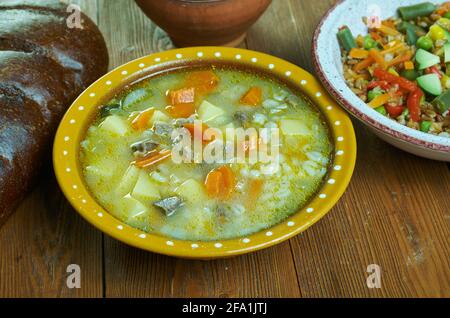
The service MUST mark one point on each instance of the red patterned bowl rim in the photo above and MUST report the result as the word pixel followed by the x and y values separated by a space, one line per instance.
pixel 354 110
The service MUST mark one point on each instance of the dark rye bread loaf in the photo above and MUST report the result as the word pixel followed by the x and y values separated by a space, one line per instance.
pixel 44 66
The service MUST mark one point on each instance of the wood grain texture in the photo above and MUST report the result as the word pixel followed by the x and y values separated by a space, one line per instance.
pixel 394 214
pixel 44 236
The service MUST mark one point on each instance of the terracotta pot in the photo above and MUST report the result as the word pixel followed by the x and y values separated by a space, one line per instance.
pixel 204 22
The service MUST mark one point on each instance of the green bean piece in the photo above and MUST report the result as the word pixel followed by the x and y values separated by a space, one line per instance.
pixel 418 10
pixel 411 37
pixel 109 109
pixel 442 102
pixel 346 38
pixel 381 110
pixel 425 126
pixel 409 74
pixel 447 15
pixel 403 26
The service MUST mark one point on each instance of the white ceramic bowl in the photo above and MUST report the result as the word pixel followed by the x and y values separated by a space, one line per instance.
pixel 328 66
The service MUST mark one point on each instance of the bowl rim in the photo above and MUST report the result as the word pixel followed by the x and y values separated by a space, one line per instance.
pixel 391 128
pixel 71 131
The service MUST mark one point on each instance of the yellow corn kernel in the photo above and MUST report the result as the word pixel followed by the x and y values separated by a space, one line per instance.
pixel 437 33
pixel 409 65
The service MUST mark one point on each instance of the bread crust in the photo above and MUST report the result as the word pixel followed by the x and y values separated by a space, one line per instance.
pixel 44 66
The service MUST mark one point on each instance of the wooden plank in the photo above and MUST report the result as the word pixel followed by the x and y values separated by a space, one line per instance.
pixel 134 273
pixel 43 237
pixel 40 240
pixel 394 214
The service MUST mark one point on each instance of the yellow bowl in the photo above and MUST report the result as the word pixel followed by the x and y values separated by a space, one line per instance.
pixel 73 126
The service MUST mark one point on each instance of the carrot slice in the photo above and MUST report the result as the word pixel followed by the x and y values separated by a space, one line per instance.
pixel 363 64
pixel 181 110
pixel 197 130
pixel 228 181
pixel 356 53
pixel 140 122
pixel 213 182
pixel 254 191
pixel 220 183
pixel 400 59
pixel 252 97
pixel 378 58
pixel 152 158
pixel 375 36
pixel 203 81
pixel 182 96
pixel 388 30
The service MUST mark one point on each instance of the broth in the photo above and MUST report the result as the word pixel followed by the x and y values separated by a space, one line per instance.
pixel 126 162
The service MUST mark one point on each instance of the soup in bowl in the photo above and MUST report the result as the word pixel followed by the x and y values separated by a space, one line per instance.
pixel 199 156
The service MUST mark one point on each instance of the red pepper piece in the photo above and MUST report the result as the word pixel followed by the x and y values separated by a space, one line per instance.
pixel 394 79
pixel 394 110
pixel 382 84
pixel 413 104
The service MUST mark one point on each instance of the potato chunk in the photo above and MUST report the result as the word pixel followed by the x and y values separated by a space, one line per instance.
pixel 128 181
pixel 291 127
pixel 115 125
pixel 132 207
pixel 209 112
pixel 159 116
pixel 146 189
pixel 192 191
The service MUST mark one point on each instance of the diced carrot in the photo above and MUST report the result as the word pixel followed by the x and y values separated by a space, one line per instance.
pixel 197 130
pixel 409 65
pixel 379 100
pixel 220 183
pixel 182 96
pixel 400 59
pixel 252 97
pixel 360 40
pixel 181 110
pixel 203 81
pixel 393 49
pixel 213 183
pixel 356 53
pixel 363 64
pixel 140 122
pixel 378 58
pixel 152 158
pixel 389 23
pixel 375 36
pixel 387 30
pixel 228 181
pixel 254 191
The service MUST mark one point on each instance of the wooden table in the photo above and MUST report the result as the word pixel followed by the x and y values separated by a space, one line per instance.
pixel 395 212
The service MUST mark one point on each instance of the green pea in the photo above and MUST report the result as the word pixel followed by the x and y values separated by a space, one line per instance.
pixel 425 126
pixel 424 42
pixel 369 43
pixel 381 110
